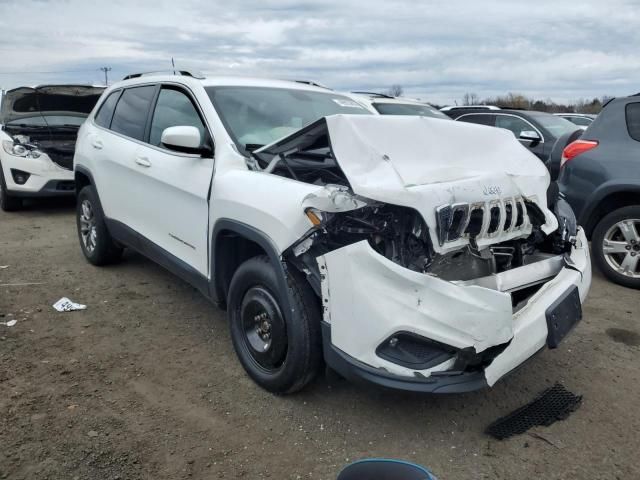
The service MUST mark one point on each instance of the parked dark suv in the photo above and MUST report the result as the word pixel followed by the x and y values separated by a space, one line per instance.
pixel 538 131
pixel 600 178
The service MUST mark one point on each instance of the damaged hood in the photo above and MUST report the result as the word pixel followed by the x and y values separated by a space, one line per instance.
pixel 26 102
pixel 427 163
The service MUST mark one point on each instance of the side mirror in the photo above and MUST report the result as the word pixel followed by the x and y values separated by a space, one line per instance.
pixel 530 135
pixel 553 162
pixel 183 139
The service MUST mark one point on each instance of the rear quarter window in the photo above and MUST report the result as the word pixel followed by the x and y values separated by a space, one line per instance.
pixel 130 117
pixel 633 120
pixel 479 118
pixel 105 113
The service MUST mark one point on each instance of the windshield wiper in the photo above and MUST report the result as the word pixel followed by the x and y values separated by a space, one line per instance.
pixel 252 147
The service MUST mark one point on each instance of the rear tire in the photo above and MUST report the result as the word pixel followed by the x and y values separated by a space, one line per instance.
pixel 616 246
pixel 280 354
pixel 7 202
pixel 95 241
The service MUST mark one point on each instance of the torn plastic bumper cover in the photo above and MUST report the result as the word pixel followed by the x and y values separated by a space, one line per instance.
pixel 373 305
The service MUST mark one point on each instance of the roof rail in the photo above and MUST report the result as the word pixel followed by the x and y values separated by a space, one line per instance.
pixel 313 84
pixel 374 94
pixel 184 73
pixel 469 107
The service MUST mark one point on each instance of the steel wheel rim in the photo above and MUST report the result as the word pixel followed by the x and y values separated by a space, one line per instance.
pixel 264 335
pixel 88 231
pixel 621 247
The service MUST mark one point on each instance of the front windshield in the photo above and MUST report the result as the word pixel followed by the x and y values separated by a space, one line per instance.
pixel 408 109
pixel 257 116
pixel 49 121
pixel 555 125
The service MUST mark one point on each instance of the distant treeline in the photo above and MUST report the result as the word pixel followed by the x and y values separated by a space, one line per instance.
pixel 515 100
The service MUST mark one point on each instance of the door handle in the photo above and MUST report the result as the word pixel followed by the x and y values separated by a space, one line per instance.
pixel 143 161
pixel 97 144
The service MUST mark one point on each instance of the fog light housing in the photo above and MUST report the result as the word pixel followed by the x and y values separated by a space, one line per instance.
pixel 19 176
pixel 413 351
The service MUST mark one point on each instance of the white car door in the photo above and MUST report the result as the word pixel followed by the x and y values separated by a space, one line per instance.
pixel 173 188
pixel 114 151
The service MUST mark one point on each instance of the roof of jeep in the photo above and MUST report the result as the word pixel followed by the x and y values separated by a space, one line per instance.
pixel 219 81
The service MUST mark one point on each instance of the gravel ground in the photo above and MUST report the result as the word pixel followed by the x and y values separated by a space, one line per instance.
pixel 145 384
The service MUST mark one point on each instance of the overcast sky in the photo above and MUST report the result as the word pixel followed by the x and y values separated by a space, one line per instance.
pixel 562 49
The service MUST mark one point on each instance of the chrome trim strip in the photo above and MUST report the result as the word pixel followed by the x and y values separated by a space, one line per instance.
pixel 446 236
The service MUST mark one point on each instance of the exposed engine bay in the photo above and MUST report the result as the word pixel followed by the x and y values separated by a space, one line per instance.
pixel 401 235
pixel 469 221
pixel 58 142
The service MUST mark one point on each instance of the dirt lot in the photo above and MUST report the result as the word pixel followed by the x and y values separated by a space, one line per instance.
pixel 145 384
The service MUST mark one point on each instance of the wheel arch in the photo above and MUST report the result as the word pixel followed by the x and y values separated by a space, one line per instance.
pixel 82 178
pixel 232 243
pixel 605 200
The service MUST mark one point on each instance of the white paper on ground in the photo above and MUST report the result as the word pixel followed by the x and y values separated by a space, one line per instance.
pixel 66 305
pixel 10 323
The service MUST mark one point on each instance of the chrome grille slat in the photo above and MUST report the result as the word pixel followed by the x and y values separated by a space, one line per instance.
pixel 450 230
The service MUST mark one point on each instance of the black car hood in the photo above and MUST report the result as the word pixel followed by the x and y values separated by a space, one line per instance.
pixel 26 102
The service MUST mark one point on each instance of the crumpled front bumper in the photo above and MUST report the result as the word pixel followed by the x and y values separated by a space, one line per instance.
pixel 368 298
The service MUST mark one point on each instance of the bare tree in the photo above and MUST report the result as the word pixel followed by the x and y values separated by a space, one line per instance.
pixel 395 90
pixel 470 99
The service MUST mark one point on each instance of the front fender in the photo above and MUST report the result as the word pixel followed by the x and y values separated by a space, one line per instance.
pixel 268 203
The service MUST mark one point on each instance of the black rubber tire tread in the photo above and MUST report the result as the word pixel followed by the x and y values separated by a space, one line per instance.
pixel 597 240
pixel 106 251
pixel 304 352
pixel 7 202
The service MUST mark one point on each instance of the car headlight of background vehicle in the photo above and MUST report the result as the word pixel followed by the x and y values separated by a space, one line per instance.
pixel 20 150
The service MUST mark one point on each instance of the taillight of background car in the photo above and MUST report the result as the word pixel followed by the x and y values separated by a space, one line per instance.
pixel 576 148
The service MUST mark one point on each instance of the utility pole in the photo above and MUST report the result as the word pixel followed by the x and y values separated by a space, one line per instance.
pixel 106 78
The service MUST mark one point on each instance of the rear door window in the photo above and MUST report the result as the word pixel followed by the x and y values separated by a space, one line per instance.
pixel 104 115
pixel 130 117
pixel 582 121
pixel 174 108
pixel 514 124
pixel 633 120
pixel 480 118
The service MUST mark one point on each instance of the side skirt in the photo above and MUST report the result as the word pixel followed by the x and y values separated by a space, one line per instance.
pixel 132 239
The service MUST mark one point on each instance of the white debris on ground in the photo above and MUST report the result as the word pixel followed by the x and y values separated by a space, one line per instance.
pixel 10 323
pixel 66 305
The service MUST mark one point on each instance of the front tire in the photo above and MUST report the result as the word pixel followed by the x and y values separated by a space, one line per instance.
pixel 616 246
pixel 95 241
pixel 280 353
pixel 7 202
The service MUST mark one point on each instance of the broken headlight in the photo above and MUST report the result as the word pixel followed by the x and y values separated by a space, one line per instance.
pixel 317 217
pixel 21 149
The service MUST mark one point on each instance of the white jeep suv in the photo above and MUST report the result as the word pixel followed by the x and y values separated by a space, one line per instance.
pixel 405 251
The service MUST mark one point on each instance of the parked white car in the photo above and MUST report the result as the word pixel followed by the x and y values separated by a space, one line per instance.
pixel 38 136
pixel 382 104
pixel 583 120
pixel 406 251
